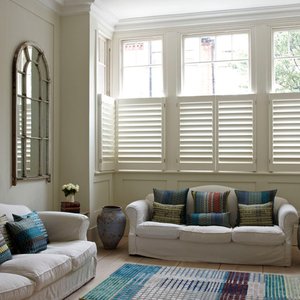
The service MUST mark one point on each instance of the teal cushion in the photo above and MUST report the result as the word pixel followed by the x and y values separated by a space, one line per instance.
pixel 246 197
pixel 7 237
pixel 207 219
pixel 5 253
pixel 36 219
pixel 28 237
pixel 210 202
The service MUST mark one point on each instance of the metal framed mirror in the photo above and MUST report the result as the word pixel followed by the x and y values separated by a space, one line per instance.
pixel 30 114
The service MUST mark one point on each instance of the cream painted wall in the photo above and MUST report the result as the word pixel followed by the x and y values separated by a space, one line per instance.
pixel 21 21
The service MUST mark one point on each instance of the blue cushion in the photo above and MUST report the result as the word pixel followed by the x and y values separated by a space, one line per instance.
pixel 5 253
pixel 245 197
pixel 28 237
pixel 36 219
pixel 207 219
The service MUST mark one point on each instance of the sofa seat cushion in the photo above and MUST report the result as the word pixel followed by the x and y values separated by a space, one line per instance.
pixel 258 235
pixel 43 269
pixel 157 230
pixel 78 251
pixel 206 234
pixel 13 286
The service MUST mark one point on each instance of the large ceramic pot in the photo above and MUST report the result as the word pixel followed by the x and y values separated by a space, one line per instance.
pixel 111 225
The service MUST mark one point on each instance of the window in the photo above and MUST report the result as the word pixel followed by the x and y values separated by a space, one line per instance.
pixel 103 65
pixel 286 61
pixel 217 133
pixel 142 72
pixel 216 64
pixel 31 96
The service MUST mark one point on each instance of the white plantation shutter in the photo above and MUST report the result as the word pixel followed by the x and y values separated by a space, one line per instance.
pixel 195 134
pixel 285 133
pixel 106 119
pixel 140 133
pixel 235 135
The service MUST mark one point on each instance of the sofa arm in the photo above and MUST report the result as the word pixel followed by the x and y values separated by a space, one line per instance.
pixel 137 213
pixel 287 219
pixel 65 226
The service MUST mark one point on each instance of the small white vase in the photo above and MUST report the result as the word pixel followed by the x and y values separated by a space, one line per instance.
pixel 70 198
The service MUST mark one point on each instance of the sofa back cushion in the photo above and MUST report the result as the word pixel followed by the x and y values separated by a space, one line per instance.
pixel 9 209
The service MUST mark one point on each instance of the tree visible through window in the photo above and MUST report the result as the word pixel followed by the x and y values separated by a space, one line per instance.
pixel 286 61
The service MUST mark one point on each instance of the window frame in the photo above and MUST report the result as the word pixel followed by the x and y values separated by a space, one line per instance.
pixel 121 67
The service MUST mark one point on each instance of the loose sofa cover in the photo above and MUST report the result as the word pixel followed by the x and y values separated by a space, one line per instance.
pixel 68 262
pixel 260 245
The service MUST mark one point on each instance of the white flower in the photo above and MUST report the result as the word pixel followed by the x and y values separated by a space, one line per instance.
pixel 70 188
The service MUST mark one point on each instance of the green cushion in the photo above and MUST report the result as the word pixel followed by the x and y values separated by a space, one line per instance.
pixel 27 235
pixel 256 214
pixel 166 213
pixel 207 219
pixel 208 202
pixel 5 253
pixel 7 237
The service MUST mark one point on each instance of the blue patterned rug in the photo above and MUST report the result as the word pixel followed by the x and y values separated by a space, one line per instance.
pixel 141 282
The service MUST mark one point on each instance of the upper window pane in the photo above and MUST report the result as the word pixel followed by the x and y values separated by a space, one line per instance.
pixel 216 64
pixel 142 68
pixel 286 61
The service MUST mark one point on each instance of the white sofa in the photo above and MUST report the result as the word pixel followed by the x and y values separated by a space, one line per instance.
pixel 68 262
pixel 261 245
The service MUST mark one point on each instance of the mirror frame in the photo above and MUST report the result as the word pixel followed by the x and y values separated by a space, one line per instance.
pixel 43 173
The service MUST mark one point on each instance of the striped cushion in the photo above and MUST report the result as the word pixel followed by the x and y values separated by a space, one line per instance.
pixel 208 202
pixel 36 219
pixel 170 197
pixel 5 253
pixel 256 214
pixel 207 219
pixel 27 236
pixel 7 237
pixel 245 197
pixel 166 213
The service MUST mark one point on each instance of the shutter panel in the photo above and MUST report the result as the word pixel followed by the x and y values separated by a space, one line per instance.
pixel 236 135
pixel 285 134
pixel 140 133
pixel 196 135
pixel 107 133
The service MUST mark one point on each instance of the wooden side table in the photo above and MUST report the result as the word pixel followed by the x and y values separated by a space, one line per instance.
pixel 73 207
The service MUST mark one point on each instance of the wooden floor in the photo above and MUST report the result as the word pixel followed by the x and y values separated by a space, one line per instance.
pixel 111 260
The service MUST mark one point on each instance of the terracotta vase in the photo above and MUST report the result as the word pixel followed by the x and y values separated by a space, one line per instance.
pixel 111 225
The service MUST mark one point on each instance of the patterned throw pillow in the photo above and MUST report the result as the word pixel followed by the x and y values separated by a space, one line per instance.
pixel 36 219
pixel 256 214
pixel 245 197
pixel 7 237
pixel 170 197
pixel 166 213
pixel 27 235
pixel 208 202
pixel 5 253
pixel 207 219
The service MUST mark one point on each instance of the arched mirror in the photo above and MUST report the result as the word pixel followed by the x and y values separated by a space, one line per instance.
pixel 30 114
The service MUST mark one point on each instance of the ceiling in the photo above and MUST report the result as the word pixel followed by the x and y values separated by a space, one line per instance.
pixel 126 9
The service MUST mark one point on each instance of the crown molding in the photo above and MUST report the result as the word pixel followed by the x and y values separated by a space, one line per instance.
pixel 209 17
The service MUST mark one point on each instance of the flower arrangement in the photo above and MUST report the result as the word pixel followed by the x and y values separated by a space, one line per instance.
pixel 70 188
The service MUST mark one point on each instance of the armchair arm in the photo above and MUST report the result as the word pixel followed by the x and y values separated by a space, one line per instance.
pixel 137 212
pixel 287 219
pixel 64 226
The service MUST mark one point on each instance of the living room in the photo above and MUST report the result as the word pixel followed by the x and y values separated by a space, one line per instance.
pixel 71 34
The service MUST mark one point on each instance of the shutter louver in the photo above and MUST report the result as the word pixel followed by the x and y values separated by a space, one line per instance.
pixel 107 133
pixel 196 135
pixel 236 135
pixel 140 134
pixel 285 134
